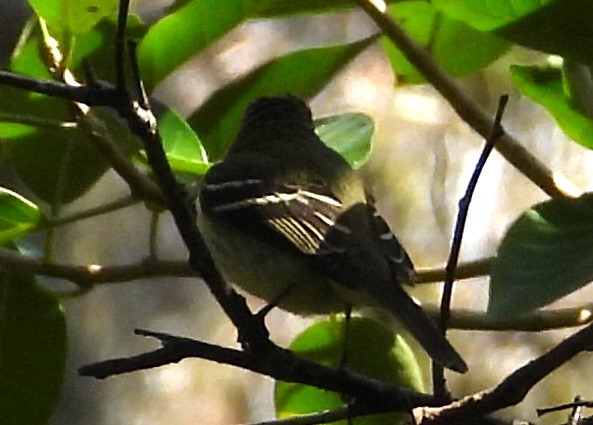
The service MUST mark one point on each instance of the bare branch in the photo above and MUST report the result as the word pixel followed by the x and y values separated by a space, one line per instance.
pixel 140 185
pixel 467 108
pixel 276 362
pixel 465 270
pixel 438 375
pixel 542 320
pixel 574 406
pixel 511 390
pixel 376 396
pixel 105 208
pixel 88 94
pixel 92 274
pixel 86 276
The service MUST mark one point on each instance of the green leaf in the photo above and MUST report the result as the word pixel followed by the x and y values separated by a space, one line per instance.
pixel 578 85
pixel 457 47
pixel 202 22
pixel 488 15
pixel 348 134
pixel 218 120
pixel 57 164
pixel 27 61
pixel 373 351
pixel 562 27
pixel 546 254
pixel 182 146
pixel 73 16
pixel 17 215
pixel 277 8
pixel 97 46
pixel 181 35
pixel 545 86
pixel 32 351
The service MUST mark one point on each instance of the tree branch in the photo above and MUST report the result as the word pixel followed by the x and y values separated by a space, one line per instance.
pixel 538 321
pixel 140 185
pixel 376 396
pixel 275 362
pixel 464 270
pixel 511 390
pixel 108 207
pixel 93 274
pixel 438 375
pixel 91 95
pixel 88 275
pixel 467 108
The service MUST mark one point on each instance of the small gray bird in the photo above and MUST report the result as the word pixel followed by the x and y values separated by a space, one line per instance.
pixel 289 221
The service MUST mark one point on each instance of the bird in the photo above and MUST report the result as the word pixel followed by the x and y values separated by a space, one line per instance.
pixel 288 220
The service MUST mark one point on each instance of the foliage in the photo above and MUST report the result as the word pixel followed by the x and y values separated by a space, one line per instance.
pixel 387 357
pixel 33 350
pixel 546 253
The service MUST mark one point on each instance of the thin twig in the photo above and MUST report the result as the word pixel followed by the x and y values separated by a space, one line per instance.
pixel 378 397
pixel 106 208
pixel 93 274
pixel 439 383
pixel 155 217
pixel 513 389
pixel 37 122
pixel 120 46
pixel 464 204
pixel 87 276
pixel 466 107
pixel 465 270
pixel 140 89
pixel 572 405
pixel 140 184
pixel 538 321
pixel 575 417
pixel 276 362
pixel 91 95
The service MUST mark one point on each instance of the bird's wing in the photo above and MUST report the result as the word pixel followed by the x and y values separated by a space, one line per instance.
pixel 400 263
pixel 301 215
pixel 312 219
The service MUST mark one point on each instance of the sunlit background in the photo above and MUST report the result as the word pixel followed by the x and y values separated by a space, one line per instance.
pixel 422 158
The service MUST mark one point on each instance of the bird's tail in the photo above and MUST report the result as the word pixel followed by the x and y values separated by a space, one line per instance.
pixel 422 328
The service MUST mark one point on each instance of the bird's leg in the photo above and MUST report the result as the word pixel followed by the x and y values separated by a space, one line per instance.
pixel 347 316
pixel 263 312
pixel 344 358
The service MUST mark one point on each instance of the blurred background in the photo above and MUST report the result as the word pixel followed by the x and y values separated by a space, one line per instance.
pixel 421 161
